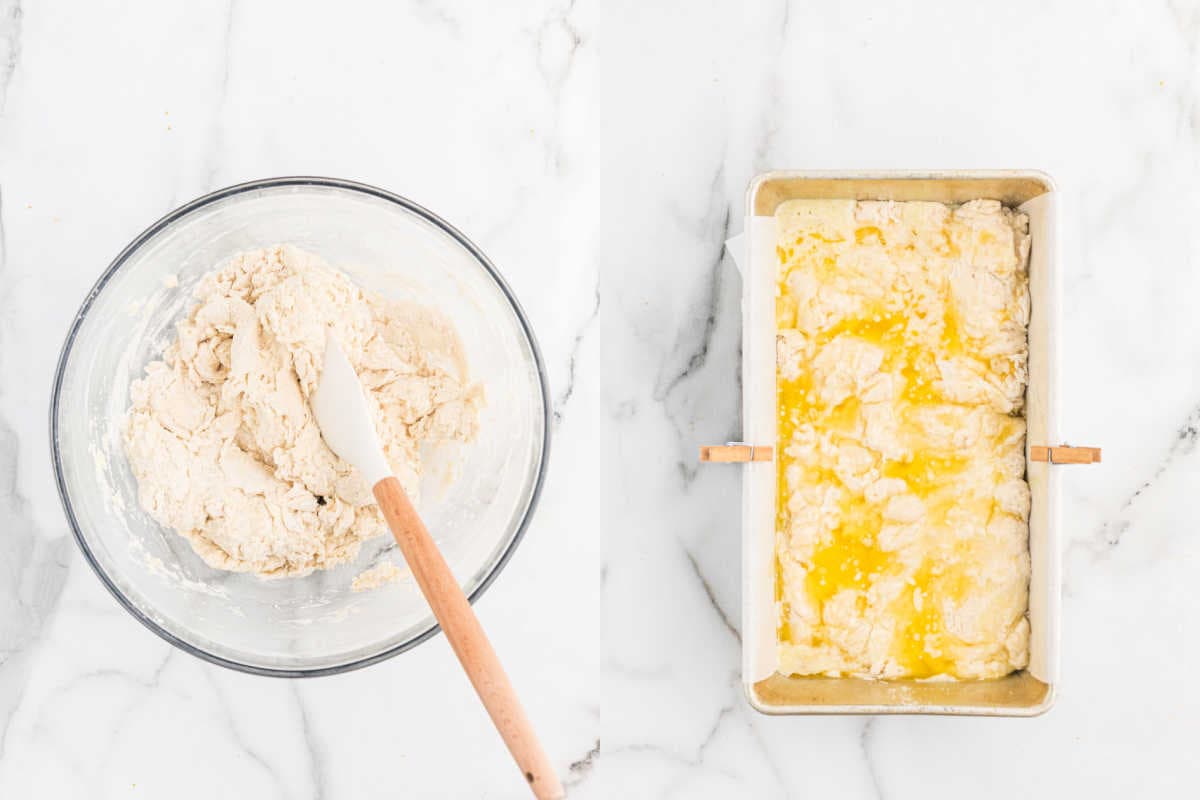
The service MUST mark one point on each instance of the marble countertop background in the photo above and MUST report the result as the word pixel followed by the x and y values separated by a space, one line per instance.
pixel 599 153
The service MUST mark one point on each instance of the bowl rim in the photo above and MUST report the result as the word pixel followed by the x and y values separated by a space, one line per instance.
pixel 276 183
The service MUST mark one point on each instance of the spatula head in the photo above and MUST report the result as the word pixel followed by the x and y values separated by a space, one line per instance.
pixel 345 420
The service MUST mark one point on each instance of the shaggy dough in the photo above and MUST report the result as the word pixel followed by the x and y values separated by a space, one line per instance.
pixel 220 435
pixel 902 536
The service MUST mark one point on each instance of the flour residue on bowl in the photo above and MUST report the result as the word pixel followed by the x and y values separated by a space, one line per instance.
pixel 382 574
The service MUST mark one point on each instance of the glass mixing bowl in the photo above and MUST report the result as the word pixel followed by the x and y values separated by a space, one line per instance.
pixel 477 500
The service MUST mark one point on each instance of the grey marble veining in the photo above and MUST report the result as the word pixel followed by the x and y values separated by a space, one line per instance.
pixel 599 154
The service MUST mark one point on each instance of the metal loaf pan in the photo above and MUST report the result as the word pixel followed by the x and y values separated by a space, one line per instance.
pixel 1025 693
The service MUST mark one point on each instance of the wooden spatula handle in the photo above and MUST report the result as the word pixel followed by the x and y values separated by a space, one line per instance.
pixel 466 636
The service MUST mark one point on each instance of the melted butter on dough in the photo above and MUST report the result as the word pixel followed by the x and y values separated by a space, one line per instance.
pixel 902 535
pixel 220 435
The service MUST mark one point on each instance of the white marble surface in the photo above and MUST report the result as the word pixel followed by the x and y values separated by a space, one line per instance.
pixel 113 114
pixel 599 153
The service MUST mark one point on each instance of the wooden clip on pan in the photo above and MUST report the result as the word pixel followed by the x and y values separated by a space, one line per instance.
pixel 736 453
pixel 1064 454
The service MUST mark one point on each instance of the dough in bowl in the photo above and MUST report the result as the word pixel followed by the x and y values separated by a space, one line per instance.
pixel 220 435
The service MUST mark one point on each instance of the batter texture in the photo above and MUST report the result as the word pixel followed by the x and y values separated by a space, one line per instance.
pixel 220 435
pixel 902 529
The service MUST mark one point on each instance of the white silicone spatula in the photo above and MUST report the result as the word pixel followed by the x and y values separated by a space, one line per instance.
pixel 345 421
